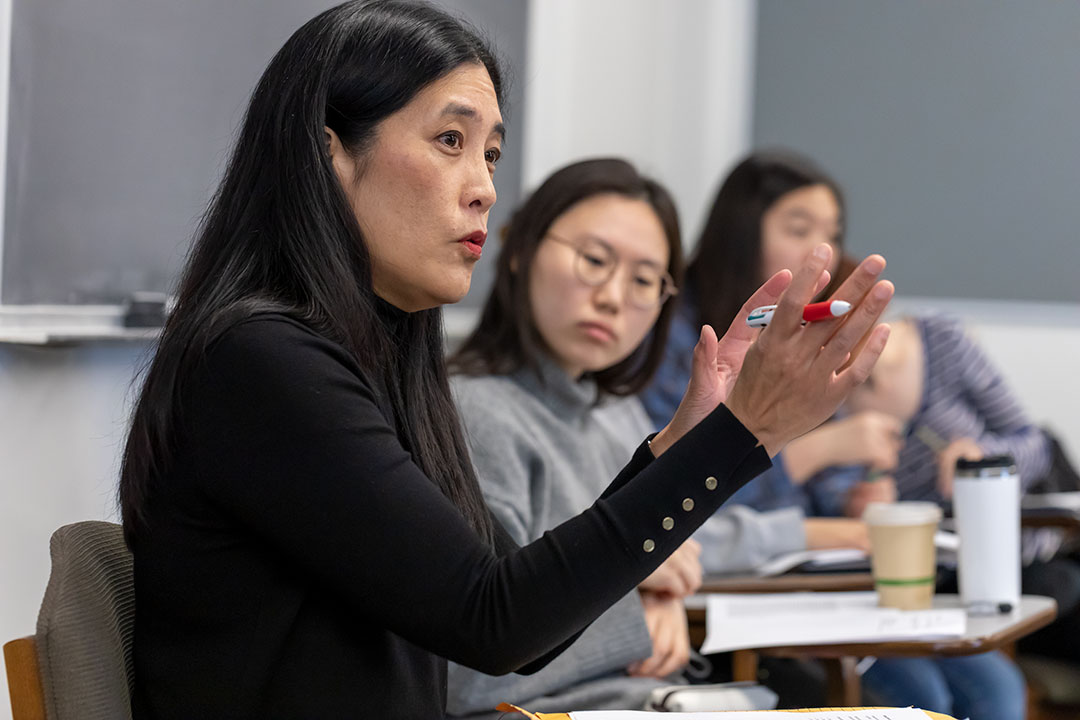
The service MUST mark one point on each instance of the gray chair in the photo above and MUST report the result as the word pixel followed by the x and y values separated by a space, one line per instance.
pixel 85 626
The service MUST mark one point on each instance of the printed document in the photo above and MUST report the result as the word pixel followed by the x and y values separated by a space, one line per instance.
pixel 738 621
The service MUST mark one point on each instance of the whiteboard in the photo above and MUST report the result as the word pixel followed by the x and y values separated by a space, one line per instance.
pixel 121 116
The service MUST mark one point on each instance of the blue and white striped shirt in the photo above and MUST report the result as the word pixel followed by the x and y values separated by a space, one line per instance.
pixel 964 396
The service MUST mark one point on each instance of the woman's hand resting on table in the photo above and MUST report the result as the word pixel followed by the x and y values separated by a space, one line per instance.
pixel 824 533
pixel 665 616
pixel 792 377
pixel 678 576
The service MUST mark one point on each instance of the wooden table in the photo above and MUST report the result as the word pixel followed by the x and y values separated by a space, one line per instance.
pixel 1064 518
pixel 791 582
pixel 984 633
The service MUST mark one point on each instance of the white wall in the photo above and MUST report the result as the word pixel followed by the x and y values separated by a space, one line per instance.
pixel 5 81
pixel 62 417
pixel 665 85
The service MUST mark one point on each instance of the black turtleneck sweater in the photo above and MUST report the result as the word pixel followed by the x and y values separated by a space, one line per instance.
pixel 299 564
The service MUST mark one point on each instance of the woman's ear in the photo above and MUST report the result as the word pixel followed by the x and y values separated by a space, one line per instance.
pixel 344 166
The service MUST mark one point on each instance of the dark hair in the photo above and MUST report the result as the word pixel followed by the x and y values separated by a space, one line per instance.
pixel 506 338
pixel 726 267
pixel 280 236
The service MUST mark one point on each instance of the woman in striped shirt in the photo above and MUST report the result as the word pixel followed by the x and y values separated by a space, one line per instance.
pixel 954 404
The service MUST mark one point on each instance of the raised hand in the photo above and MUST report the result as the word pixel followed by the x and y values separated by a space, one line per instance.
pixel 795 376
pixel 716 363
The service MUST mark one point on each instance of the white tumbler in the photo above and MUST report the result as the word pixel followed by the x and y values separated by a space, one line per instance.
pixel 986 506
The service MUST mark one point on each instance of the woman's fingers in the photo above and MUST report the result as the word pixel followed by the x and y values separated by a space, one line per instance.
pixel 654 624
pixel 823 282
pixel 859 369
pixel 704 369
pixel 680 575
pixel 845 349
pixel 768 294
pixel 854 290
pixel 678 641
pixel 788 316
pixel 687 569
pixel 690 565
pixel 695 404
pixel 669 640
pixel 861 279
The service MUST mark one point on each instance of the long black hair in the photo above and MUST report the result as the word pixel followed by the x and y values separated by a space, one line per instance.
pixel 280 236
pixel 506 337
pixel 726 267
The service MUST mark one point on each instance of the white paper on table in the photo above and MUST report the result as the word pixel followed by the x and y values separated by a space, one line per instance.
pixel 841 714
pixel 738 621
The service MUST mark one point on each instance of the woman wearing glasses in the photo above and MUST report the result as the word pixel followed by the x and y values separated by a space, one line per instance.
pixel 576 324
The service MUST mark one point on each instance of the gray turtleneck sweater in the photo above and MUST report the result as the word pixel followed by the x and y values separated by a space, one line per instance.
pixel 544 448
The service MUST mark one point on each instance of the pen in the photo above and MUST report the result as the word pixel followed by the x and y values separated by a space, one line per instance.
pixel 760 317
pixel 931 438
pixel 875 475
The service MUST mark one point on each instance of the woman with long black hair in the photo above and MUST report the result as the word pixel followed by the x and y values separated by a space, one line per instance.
pixel 308 534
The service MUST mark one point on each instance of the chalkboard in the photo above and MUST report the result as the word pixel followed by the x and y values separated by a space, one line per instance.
pixel 121 116
pixel 954 129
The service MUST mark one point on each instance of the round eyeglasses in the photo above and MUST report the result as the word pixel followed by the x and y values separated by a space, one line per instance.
pixel 595 263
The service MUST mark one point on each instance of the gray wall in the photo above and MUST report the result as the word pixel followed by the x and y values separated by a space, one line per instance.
pixel 953 127
pixel 121 118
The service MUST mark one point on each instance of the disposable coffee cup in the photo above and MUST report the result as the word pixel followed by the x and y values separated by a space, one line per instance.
pixel 902 554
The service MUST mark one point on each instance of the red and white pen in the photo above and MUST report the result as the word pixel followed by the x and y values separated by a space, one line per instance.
pixel 760 317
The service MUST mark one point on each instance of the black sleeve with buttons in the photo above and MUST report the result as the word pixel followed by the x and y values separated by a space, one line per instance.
pixel 298 563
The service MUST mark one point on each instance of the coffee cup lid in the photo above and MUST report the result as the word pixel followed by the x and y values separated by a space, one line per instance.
pixel 902 513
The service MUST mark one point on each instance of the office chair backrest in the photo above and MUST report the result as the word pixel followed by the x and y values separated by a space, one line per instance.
pixel 24 679
pixel 84 629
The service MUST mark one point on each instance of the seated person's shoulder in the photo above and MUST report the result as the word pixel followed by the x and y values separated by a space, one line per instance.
pixel 276 351
pixel 269 338
pixel 938 328
pixel 492 396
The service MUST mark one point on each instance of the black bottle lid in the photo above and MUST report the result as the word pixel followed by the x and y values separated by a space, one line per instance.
pixel 993 461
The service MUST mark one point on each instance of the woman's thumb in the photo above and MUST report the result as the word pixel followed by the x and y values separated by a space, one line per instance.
pixel 703 371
